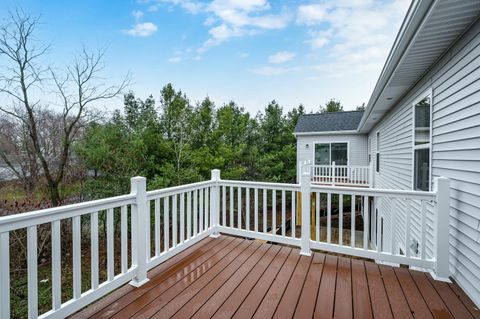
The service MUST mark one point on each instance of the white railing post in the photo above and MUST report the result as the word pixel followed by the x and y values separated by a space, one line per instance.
pixel 442 233
pixel 139 230
pixel 5 275
pixel 333 173
pixel 305 188
pixel 215 209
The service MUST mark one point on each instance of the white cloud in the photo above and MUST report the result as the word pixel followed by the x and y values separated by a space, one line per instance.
pixel 311 14
pixel 137 14
pixel 144 29
pixel 175 59
pixel 274 71
pixel 233 18
pixel 356 35
pixel 281 57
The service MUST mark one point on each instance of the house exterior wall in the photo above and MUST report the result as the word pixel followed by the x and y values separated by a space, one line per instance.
pixel 357 146
pixel 455 85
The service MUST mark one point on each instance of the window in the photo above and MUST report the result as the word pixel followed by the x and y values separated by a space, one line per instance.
pixel 322 154
pixel 378 153
pixel 339 153
pixel 327 153
pixel 421 143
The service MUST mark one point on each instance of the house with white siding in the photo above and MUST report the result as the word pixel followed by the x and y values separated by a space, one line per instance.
pixel 422 122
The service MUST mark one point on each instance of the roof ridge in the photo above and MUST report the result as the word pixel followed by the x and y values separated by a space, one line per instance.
pixel 338 112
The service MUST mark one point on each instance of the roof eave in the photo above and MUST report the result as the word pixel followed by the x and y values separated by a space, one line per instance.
pixel 345 132
pixel 415 15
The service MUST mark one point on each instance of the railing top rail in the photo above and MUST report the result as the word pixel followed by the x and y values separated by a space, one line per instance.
pixel 419 195
pixel 23 220
pixel 268 185
pixel 178 189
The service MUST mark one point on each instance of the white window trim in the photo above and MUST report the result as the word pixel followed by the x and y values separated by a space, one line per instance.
pixel 330 143
pixel 420 97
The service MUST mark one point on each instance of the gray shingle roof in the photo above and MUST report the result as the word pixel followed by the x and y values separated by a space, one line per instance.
pixel 326 122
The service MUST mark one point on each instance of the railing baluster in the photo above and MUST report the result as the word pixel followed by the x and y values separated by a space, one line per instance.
pixel 195 213
pixel 366 222
pixel 94 249
pixel 200 211
pixel 283 213
pixel 256 210
pixel 407 225
pixel 393 216
pixel 274 212
pixel 207 209
pixel 294 210
pixel 77 250
pixel 352 221
pixel 32 272
pixel 231 207
pixel 239 207
pixel 247 208
pixel 317 216
pixel 340 220
pixel 110 245
pixel 265 210
pixel 182 217
pixel 166 223
pixel 424 230
pixel 174 220
pixel 189 215
pixel 148 230
pixel 56 266
pixel 157 227
pixel 5 275
pixel 378 228
pixel 124 235
pixel 224 206
pixel 329 218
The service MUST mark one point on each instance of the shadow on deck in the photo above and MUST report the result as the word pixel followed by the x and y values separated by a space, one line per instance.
pixel 233 277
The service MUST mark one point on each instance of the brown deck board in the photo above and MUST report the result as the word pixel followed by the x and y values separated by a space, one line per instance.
pixel 326 293
pixel 434 302
pixel 227 280
pixel 414 297
pixel 343 290
pixel 168 303
pixel 380 305
pixel 395 294
pixel 164 292
pixel 362 307
pixel 454 304
pixel 465 300
pixel 251 303
pixel 234 301
pixel 221 294
pixel 286 307
pixel 270 302
pixel 306 305
pixel 233 277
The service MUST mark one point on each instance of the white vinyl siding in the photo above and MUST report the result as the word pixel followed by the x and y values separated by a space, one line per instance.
pixel 455 83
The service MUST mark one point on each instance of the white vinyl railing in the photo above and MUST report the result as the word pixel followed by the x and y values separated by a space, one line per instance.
pixel 350 175
pixel 163 222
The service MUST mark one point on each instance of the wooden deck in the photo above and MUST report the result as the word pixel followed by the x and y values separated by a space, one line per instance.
pixel 236 278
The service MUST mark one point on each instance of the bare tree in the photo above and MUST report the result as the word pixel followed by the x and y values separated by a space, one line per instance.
pixel 25 77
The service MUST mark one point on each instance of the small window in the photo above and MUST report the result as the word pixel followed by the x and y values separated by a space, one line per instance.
pixel 322 154
pixel 421 144
pixel 378 154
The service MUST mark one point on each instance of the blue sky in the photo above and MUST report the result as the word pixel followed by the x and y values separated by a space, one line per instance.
pixel 251 51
